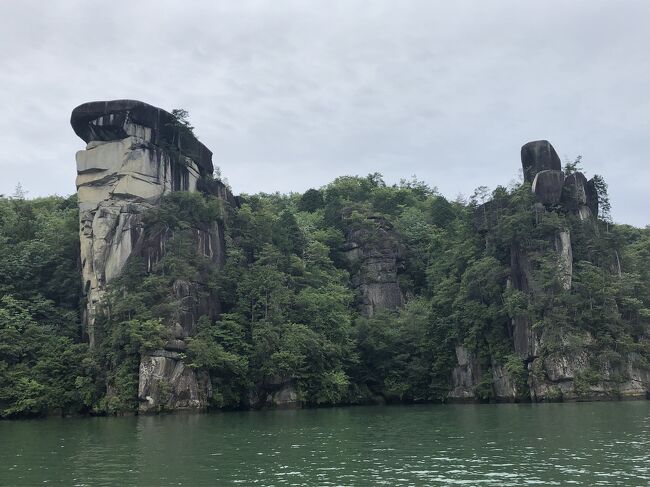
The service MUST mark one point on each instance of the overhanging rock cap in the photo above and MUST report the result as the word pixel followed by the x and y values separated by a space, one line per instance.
pixel 106 120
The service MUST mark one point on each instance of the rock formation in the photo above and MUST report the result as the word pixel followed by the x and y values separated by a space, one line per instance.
pixel 551 376
pixel 553 373
pixel 374 254
pixel 467 375
pixel 547 186
pixel 135 154
pixel 538 156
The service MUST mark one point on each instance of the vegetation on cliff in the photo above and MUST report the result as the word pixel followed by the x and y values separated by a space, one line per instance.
pixel 290 297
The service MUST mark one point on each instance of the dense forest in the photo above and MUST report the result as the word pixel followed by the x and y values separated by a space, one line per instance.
pixel 291 302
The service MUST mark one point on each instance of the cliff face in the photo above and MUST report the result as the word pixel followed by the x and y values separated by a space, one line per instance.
pixel 374 254
pixel 135 154
pixel 559 363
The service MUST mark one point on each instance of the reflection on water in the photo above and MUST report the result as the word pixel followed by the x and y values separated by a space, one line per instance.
pixel 544 444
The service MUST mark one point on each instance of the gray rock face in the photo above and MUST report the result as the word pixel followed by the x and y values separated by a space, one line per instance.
pixel 135 154
pixel 561 376
pixel 504 387
pixel 637 379
pixel 521 269
pixel 592 197
pixel 468 373
pixel 547 186
pixel 466 376
pixel 576 195
pixel 564 251
pixel 374 252
pixel 538 156
pixel 284 398
pixel 280 393
pixel 525 339
pixel 560 361
pixel 194 307
pixel 166 384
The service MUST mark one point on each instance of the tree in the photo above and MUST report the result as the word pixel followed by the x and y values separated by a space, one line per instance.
pixel 573 167
pixel 604 205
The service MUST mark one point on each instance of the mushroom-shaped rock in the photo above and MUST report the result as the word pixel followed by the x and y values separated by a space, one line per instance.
pixel 135 154
pixel 119 119
pixel 547 186
pixel 538 156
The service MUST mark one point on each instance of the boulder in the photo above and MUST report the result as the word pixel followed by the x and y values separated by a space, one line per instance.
pixel 166 384
pixel 579 196
pixel 538 156
pixel 575 193
pixel 547 186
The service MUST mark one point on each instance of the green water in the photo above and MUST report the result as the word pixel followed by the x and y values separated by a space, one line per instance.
pixel 544 444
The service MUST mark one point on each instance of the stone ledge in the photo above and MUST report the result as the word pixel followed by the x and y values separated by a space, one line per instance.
pixel 109 120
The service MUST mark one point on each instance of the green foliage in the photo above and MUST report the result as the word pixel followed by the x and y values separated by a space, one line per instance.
pixel 603 198
pixel 573 167
pixel 288 294
pixel 516 368
pixel 42 362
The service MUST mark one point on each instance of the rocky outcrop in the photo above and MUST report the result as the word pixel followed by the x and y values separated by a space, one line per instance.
pixel 465 376
pixel 135 154
pixel 505 388
pixel 538 156
pixel 576 374
pixel 547 186
pixel 468 375
pixel 166 384
pixel 279 393
pixel 374 254
pixel 561 364
pixel 542 167
pixel 579 196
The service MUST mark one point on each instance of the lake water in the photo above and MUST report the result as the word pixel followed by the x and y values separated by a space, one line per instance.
pixel 506 444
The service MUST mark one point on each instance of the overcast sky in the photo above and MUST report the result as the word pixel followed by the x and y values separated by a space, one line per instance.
pixel 290 95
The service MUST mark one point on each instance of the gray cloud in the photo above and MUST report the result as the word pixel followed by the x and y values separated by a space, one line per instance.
pixel 289 95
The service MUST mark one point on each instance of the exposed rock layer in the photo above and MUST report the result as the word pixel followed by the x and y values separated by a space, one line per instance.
pixel 135 154
pixel 374 253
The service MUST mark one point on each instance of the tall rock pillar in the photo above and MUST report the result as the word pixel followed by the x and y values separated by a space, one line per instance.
pixel 135 154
